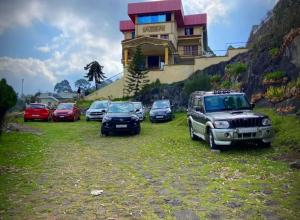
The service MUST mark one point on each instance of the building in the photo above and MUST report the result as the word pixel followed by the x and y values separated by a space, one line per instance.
pixel 175 44
pixel 165 34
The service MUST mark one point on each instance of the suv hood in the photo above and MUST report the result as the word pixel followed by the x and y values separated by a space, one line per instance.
pixel 96 110
pixel 120 115
pixel 229 115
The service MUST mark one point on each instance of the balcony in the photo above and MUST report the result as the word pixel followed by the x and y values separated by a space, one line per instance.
pixel 190 52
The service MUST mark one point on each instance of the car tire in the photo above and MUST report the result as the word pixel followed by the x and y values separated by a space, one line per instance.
pixel 87 119
pixel 25 120
pixel 211 141
pixel 265 145
pixel 103 132
pixel 192 135
pixel 138 130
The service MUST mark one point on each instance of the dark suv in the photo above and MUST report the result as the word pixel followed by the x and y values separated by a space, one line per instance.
pixel 161 111
pixel 224 117
pixel 120 117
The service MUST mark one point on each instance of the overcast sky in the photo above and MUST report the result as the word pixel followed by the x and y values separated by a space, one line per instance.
pixel 45 42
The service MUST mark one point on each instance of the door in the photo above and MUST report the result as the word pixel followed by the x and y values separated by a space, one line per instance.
pixel 198 117
pixel 153 62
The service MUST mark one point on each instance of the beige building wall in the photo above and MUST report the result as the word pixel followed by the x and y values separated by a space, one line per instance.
pixel 170 74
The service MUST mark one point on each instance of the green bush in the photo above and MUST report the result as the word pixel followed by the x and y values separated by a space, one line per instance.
pixel 225 85
pixel 8 99
pixel 274 75
pixel 275 94
pixel 215 78
pixel 274 51
pixel 235 69
pixel 200 82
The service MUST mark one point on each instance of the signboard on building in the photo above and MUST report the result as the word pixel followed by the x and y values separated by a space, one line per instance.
pixel 156 28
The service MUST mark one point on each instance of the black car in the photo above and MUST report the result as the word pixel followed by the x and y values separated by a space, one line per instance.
pixel 120 117
pixel 161 111
pixel 224 117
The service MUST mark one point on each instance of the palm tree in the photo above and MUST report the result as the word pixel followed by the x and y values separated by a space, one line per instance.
pixel 95 72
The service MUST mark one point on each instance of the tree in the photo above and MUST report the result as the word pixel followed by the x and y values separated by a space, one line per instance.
pixel 8 99
pixel 83 84
pixel 137 74
pixel 94 72
pixel 200 81
pixel 63 86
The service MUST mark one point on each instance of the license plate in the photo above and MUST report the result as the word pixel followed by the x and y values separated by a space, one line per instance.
pixel 62 116
pixel 35 115
pixel 159 116
pixel 121 126
pixel 247 130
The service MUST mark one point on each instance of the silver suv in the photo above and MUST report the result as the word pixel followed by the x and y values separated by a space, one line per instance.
pixel 223 118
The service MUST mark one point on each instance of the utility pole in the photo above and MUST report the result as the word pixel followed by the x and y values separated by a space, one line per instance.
pixel 22 88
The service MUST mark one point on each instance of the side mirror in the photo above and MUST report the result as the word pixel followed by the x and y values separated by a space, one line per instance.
pixel 137 110
pixel 103 110
pixel 252 105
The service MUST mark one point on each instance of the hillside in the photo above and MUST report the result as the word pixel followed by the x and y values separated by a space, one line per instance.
pixel 268 73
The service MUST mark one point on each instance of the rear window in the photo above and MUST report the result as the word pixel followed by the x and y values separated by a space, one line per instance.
pixel 65 106
pixel 37 106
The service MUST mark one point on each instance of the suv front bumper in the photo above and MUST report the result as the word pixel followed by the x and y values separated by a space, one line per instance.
pixel 230 135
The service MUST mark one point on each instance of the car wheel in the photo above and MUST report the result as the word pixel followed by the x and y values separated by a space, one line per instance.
pixel 87 119
pixel 211 141
pixel 265 145
pixel 192 135
pixel 138 130
pixel 25 120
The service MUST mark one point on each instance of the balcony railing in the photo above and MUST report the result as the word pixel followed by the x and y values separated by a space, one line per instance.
pixel 189 53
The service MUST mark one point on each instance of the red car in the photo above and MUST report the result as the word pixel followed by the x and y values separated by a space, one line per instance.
pixel 37 111
pixel 66 112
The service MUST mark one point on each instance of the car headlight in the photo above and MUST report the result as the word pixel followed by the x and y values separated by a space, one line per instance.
pixel 221 124
pixel 266 122
pixel 151 113
pixel 168 110
pixel 134 117
pixel 106 118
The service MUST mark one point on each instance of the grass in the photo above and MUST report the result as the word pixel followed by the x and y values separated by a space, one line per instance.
pixel 157 174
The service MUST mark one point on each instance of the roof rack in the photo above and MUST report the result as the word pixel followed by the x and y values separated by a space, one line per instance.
pixel 225 91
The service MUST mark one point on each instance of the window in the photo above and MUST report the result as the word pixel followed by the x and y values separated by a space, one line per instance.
pixel 197 104
pixel 132 34
pixel 154 35
pixel 164 36
pixel 190 50
pixel 226 102
pixel 157 18
pixel 189 31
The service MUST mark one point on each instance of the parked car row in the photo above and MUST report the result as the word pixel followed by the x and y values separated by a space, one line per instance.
pixel 63 112
pixel 221 118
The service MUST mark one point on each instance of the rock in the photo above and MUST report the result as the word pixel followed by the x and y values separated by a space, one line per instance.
pixel 96 192
pixel 267 191
pixel 295 164
pixel 173 202
pixel 234 205
pixel 185 215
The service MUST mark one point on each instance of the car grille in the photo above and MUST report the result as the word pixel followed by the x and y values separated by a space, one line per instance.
pixel 121 120
pixel 160 113
pixel 96 113
pixel 246 122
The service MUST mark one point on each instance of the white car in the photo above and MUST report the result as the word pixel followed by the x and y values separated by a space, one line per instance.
pixel 140 110
pixel 97 110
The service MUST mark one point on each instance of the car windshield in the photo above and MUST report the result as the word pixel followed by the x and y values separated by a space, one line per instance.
pixel 137 105
pixel 65 106
pixel 99 105
pixel 225 102
pixel 120 108
pixel 161 104
pixel 37 106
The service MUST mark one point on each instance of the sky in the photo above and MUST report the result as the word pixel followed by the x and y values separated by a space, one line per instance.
pixel 45 42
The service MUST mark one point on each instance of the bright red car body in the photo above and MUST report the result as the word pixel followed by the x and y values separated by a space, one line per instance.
pixel 66 112
pixel 37 111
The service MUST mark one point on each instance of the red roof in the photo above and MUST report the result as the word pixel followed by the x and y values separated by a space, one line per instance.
pixel 199 19
pixel 161 6
pixel 126 25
